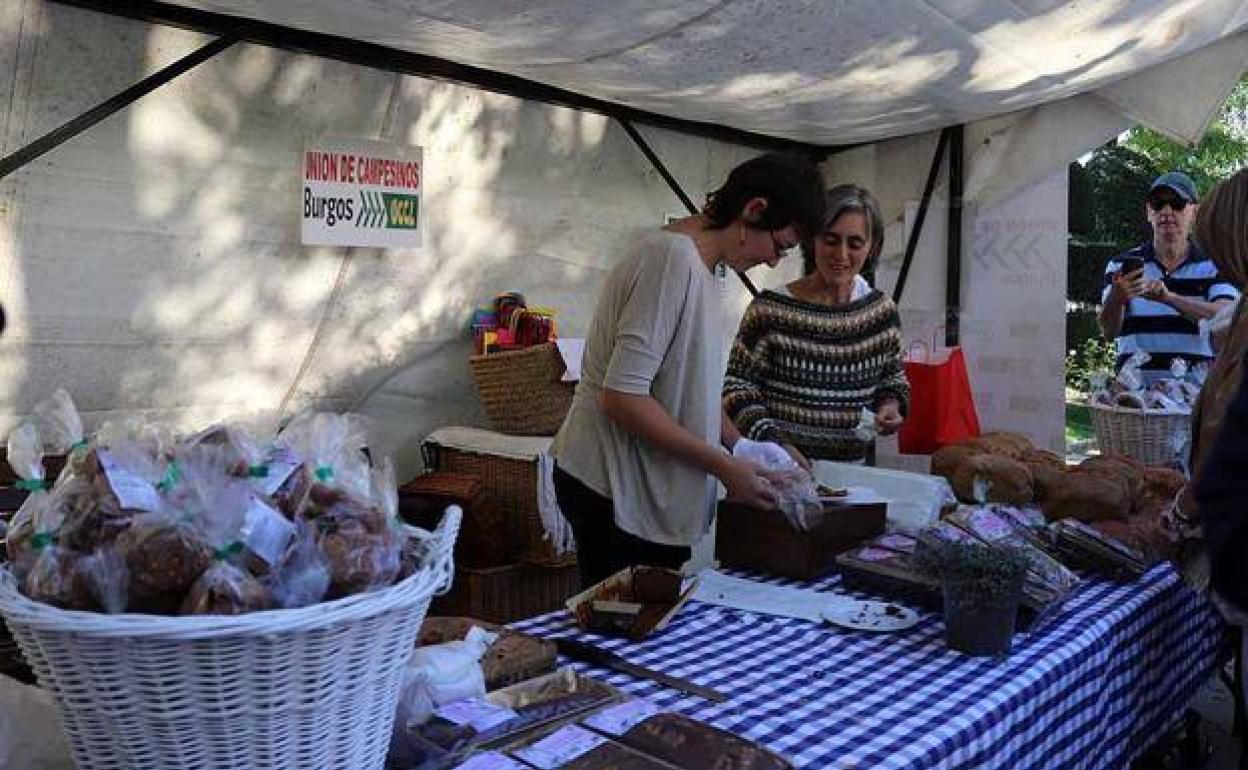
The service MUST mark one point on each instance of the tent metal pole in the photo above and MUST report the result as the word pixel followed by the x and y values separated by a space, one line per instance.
pixel 912 243
pixel 953 255
pixel 659 166
pixel 420 65
pixel 110 106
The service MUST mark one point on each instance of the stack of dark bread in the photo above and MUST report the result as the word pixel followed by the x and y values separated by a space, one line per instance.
pixel 1119 496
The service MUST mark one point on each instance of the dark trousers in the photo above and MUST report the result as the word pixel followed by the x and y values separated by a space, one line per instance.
pixel 602 548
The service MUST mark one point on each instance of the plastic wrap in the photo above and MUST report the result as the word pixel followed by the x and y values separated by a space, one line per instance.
pixel 452 671
pixel 25 455
pixel 303 577
pixel 61 427
pixel 216 500
pixel 794 488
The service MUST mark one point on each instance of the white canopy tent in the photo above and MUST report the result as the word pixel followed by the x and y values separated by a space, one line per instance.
pixel 153 262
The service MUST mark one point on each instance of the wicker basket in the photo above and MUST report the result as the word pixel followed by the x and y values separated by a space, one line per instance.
pixel 510 593
pixel 313 688
pixel 1153 438
pixel 487 535
pixel 521 391
pixel 513 483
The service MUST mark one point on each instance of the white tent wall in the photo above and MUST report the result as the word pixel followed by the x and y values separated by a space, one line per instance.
pixel 152 265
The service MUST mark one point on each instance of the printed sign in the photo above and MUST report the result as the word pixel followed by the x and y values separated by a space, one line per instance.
pixel 358 193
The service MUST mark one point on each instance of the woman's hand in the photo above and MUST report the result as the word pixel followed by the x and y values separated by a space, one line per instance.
pixel 798 457
pixel 888 417
pixel 747 483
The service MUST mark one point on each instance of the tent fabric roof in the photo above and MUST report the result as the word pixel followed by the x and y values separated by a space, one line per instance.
pixel 825 73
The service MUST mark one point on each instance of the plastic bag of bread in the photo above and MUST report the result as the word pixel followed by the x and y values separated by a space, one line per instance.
pixel 361 541
pixel 25 455
pixel 60 425
pixel 303 576
pixel 329 444
pixel 125 470
pixel 990 478
pixel 165 550
pixel 210 494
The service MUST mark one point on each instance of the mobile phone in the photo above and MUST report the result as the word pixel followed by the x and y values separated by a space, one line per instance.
pixel 1130 265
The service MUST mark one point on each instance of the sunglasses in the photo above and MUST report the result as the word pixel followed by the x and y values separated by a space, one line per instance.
pixel 782 250
pixel 1175 204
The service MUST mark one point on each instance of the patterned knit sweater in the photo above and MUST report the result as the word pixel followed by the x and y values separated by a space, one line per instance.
pixel 801 372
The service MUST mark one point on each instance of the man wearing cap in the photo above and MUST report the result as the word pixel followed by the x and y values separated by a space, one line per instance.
pixel 1157 293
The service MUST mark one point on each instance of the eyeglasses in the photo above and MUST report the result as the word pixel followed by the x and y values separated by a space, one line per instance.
pixel 1176 204
pixel 782 250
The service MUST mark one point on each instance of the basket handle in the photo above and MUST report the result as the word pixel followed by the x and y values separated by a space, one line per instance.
pixel 442 548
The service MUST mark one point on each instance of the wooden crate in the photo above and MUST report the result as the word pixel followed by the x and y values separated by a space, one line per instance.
pixel 513 483
pixel 748 538
pixel 509 593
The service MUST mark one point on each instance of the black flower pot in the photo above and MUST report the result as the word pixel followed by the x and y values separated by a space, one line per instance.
pixel 978 623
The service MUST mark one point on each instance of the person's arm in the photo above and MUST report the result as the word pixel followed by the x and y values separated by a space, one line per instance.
pixel 647 323
pixel 1190 307
pixel 744 402
pixel 744 406
pixel 891 400
pixel 645 418
pixel 1119 290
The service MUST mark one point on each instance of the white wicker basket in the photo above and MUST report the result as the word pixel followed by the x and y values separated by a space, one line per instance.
pixel 1151 437
pixel 304 689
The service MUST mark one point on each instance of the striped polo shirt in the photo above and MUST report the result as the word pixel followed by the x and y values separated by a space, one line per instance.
pixel 1158 329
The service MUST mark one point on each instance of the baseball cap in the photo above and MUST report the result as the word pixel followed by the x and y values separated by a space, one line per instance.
pixel 1179 182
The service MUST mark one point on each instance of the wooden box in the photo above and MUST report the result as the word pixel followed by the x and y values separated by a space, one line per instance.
pixel 748 538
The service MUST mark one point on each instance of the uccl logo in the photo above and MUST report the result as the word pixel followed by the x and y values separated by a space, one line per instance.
pixel 391 211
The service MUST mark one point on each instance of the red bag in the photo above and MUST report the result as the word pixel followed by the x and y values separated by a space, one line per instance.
pixel 942 408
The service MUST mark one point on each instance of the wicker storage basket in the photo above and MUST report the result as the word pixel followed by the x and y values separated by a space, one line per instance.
pixel 521 391
pixel 486 537
pixel 513 483
pixel 313 688
pixel 1153 438
pixel 510 593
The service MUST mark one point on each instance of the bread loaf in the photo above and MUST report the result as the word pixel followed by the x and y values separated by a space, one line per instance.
pixel 1004 480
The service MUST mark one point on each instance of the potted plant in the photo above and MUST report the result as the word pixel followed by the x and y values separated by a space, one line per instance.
pixel 982 586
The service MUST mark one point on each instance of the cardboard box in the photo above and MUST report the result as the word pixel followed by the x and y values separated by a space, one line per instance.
pixel 655 592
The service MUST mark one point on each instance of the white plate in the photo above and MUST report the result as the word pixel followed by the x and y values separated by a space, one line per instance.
pixel 870 616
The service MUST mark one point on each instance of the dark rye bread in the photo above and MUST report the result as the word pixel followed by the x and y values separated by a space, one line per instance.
pixel 687 743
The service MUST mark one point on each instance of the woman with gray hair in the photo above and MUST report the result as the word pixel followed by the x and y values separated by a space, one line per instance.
pixel 810 357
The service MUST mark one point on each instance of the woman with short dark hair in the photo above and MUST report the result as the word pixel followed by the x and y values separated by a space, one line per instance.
pixel 639 453
pixel 810 357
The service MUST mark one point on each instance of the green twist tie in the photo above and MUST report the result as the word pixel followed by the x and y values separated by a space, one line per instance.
pixel 258 471
pixel 31 485
pixel 172 477
pixel 324 473
pixel 42 540
pixel 78 445
pixel 221 554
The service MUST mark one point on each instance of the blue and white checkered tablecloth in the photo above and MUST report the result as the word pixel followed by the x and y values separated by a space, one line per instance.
pixel 1091 689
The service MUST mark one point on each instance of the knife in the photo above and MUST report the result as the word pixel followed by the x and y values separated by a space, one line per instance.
pixel 589 653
